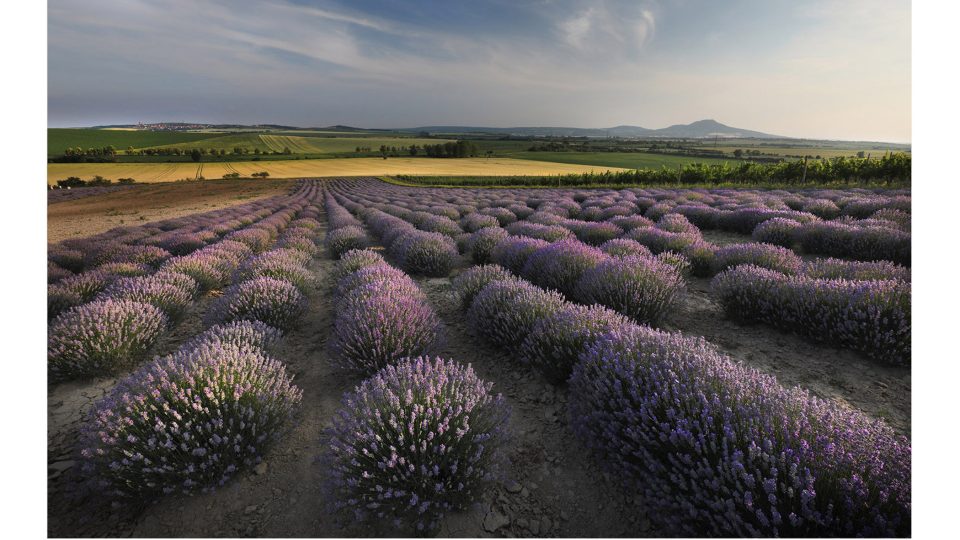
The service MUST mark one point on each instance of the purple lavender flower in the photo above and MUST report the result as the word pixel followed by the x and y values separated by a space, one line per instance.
pixel 285 264
pixel 483 242
pixel 721 449
pixel 160 292
pixel 417 440
pixel 556 341
pixel 354 260
pixel 344 239
pixel 430 254
pixel 624 247
pixel 273 301
pixel 638 287
pixel 512 252
pixel 188 422
pixel 468 284
pixel 763 255
pixel 242 334
pixel 868 316
pixel 560 265
pixel 504 312
pixel 378 324
pixel 855 270
pixel 99 338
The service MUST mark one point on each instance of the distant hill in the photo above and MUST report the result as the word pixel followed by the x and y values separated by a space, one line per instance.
pixel 701 129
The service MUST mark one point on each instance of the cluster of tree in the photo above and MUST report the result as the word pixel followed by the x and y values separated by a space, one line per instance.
pixel 458 149
pixel 75 182
pixel 891 169
pixel 108 151
pixel 200 152
pixel 554 146
pixel 261 174
pixel 740 152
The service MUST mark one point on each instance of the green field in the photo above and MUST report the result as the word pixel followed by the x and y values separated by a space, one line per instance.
pixel 270 142
pixel 626 160
pixel 59 139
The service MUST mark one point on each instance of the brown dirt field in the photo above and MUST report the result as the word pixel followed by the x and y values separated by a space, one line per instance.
pixel 91 215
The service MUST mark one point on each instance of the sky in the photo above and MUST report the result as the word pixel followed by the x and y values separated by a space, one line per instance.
pixel 832 69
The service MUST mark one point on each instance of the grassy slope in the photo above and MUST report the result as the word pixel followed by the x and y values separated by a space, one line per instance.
pixel 59 139
pixel 269 142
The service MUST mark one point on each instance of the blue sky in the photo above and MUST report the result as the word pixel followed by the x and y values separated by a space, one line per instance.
pixel 824 69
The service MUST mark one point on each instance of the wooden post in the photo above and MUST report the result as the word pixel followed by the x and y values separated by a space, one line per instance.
pixel 680 174
pixel 804 180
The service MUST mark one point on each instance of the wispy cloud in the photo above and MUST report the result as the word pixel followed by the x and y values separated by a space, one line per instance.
pixel 557 62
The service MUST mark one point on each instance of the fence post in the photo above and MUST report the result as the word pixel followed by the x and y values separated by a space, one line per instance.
pixel 804 180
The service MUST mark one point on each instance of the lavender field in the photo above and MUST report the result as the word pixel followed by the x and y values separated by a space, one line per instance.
pixel 358 358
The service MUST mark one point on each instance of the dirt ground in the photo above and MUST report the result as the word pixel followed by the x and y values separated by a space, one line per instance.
pixel 135 205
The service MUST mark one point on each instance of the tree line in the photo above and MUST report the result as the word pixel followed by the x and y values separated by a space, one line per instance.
pixel 75 182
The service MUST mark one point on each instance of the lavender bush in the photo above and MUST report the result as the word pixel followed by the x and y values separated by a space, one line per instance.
pixel 380 273
pixel 624 247
pixel 430 254
pixel 414 442
pixel 777 231
pixel 241 334
pixel 378 324
pixel 677 223
pixel 100 338
pixel 560 265
pixel 344 239
pixel 483 242
pixel 763 255
pixel 512 252
pixel 597 233
pixel 868 316
pixel 209 270
pixel 638 287
pixel 504 312
pixel 719 449
pixel 188 422
pixel 855 270
pixel 354 260
pixel 555 343
pixel 278 264
pixel 468 284
pixel 273 301
pixel 170 298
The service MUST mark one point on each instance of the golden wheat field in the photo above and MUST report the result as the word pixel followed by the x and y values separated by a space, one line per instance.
pixel 168 172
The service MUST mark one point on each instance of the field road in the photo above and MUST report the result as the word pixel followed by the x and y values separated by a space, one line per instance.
pixel 168 172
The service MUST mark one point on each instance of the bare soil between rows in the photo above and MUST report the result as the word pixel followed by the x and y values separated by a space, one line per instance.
pixel 138 204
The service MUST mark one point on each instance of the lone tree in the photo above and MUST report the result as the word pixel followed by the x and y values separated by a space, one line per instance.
pixel 195 154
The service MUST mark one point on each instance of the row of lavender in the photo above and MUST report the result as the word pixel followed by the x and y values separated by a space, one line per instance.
pixel 865 225
pixel 766 460
pixel 190 420
pixel 715 448
pixel 129 290
pixel 421 436
pixel 861 305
